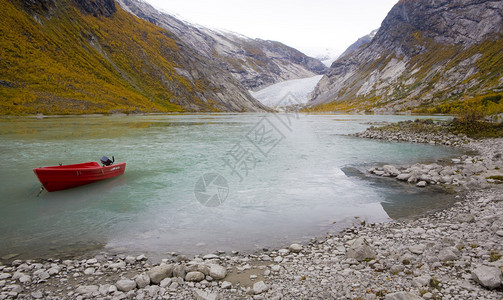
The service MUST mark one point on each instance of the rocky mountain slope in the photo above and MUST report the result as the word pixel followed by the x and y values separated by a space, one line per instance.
pixel 255 63
pixel 90 56
pixel 360 42
pixel 427 53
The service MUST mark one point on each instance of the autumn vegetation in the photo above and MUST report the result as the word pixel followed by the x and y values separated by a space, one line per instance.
pixel 64 61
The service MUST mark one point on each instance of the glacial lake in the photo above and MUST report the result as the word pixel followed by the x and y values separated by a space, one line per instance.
pixel 199 183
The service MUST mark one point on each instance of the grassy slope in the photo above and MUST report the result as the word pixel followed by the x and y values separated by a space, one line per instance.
pixel 70 62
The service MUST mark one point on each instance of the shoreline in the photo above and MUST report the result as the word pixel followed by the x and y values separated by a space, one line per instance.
pixel 452 253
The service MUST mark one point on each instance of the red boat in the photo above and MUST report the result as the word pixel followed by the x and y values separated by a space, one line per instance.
pixel 68 176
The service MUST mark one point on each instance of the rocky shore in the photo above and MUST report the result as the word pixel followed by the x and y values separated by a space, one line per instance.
pixel 451 254
pixel 471 172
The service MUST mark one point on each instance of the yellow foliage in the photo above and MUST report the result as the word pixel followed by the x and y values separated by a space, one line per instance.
pixel 71 62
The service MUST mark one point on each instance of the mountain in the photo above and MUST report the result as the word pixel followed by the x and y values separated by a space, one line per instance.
pixel 91 56
pixel 427 54
pixel 360 42
pixel 255 63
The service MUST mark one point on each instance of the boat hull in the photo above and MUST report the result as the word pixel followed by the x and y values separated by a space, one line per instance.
pixel 68 176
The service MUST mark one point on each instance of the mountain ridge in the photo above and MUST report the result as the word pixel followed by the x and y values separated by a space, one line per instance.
pixel 427 54
pixel 90 56
pixel 256 63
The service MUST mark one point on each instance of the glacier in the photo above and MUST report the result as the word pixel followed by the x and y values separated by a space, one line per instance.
pixel 298 89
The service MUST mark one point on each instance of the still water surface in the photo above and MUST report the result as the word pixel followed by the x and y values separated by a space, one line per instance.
pixel 289 178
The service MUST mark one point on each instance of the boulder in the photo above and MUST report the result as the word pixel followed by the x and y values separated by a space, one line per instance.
pixel 403 176
pixel 488 277
pixel 205 295
pixel 194 276
pixel 421 183
pixel 179 271
pixel 447 254
pixel 417 249
pixel 125 285
pixel 391 170
pixel 142 280
pixel 86 289
pixel 217 272
pixel 465 218
pixel 198 267
pixel 360 250
pixel 157 274
pixel 259 287
pixel 295 248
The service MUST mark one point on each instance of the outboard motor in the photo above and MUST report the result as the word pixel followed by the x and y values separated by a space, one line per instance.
pixel 106 161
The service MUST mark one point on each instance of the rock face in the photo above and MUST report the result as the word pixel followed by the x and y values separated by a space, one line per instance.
pixel 255 63
pixel 425 51
pixel 104 8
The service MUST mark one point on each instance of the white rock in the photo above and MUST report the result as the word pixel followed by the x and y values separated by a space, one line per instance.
pixel 141 257
pixel 17 275
pixel 295 248
pixel 392 170
pixel 103 289
pixel 178 271
pixel 4 276
pixel 402 296
pixel 446 255
pixel 42 274
pixel 194 276
pixel 130 260
pixel 421 183
pixel 275 268
pixel 403 176
pixel 142 280
pixel 210 256
pixel 284 252
pixel 225 285
pixel 125 285
pixel 421 281
pixel 91 261
pixel 217 272
pixel 417 249
pixel 25 278
pixel 166 282
pixel 118 265
pixel 37 295
pixel 465 218
pixel 204 295
pixel 489 277
pixel 158 273
pixel 278 259
pixel 360 250
pixel 499 232
pixel 259 287
pixel 86 289
pixel 89 271
pixel 54 271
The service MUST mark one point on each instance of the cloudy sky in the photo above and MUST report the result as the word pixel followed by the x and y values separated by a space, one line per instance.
pixel 308 25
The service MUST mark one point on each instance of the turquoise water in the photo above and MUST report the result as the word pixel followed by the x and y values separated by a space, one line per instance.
pixel 288 182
